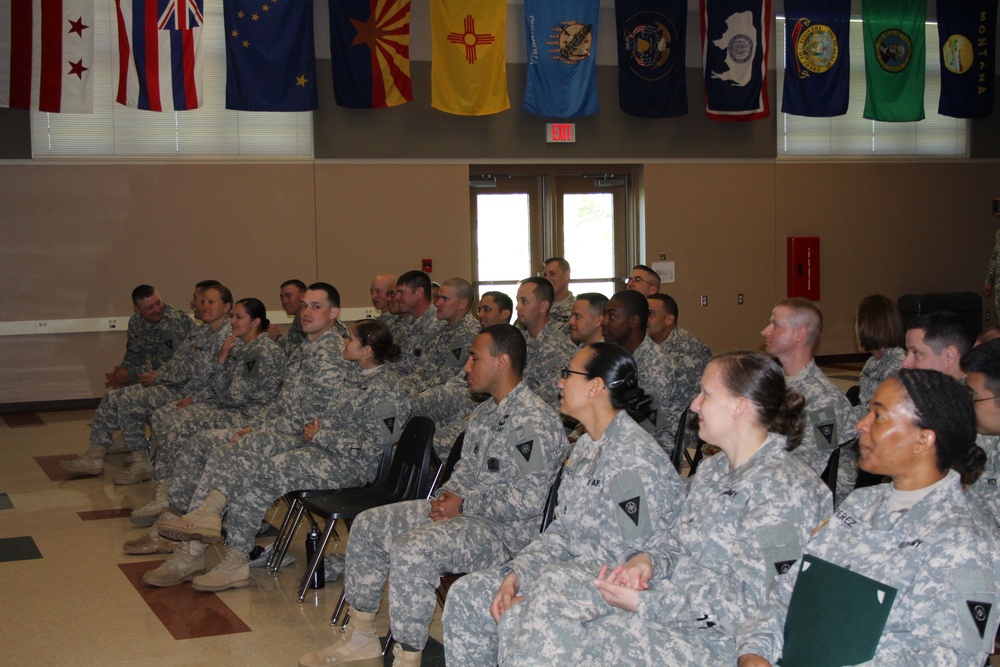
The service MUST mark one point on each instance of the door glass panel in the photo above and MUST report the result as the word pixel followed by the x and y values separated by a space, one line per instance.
pixel 503 236
pixel 589 235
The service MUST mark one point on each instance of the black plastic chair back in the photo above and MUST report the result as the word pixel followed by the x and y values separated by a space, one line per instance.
pixel 552 500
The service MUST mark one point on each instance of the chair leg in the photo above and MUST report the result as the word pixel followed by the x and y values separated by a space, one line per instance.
pixel 338 609
pixel 281 548
pixel 388 643
pixel 280 537
pixel 315 560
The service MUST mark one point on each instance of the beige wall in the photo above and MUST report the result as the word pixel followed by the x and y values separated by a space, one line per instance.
pixel 78 238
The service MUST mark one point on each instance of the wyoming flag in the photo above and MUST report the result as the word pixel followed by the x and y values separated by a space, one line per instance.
pixel 468 68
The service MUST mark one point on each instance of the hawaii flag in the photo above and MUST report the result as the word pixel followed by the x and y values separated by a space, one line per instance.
pixel 735 37
pixel 370 49
pixel 159 46
pixel 46 54
pixel 468 67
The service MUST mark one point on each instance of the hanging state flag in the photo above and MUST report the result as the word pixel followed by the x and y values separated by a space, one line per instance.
pixel 561 41
pixel 967 32
pixel 159 46
pixel 735 37
pixel 468 64
pixel 370 49
pixel 270 56
pixel 46 55
pixel 651 58
pixel 817 53
pixel 895 54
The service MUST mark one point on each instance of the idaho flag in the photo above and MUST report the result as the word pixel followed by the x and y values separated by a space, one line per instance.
pixel 735 37
pixel 895 54
pixel 270 56
pixel 967 30
pixel 562 41
pixel 370 51
pixel 468 64
pixel 817 57
pixel 651 45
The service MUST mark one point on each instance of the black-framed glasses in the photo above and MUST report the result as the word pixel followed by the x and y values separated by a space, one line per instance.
pixel 566 371
pixel 636 279
pixel 977 400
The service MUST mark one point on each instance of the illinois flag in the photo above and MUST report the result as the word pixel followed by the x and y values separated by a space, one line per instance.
pixel 651 45
pixel 270 56
pixel 159 46
pixel 967 31
pixel 735 37
pixel 370 49
pixel 561 38
pixel 468 67
pixel 46 55
pixel 895 54
pixel 817 53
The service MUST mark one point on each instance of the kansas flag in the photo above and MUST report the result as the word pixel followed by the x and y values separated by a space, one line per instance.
pixel 159 47
pixel 370 50
pixel 895 59
pixel 651 58
pixel 468 64
pixel 735 38
pixel 561 38
pixel 817 53
pixel 967 31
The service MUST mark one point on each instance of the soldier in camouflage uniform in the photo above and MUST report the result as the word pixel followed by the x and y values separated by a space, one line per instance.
pixel 993 275
pixel 878 328
pixel 586 319
pixel 341 448
pixel 685 353
pixel 615 492
pixel 921 534
pixel 291 295
pixel 557 271
pixel 643 279
pixel 548 348
pixel 445 355
pixel 937 341
pixel 790 336
pixel 982 364
pixel 488 510
pixel 155 331
pixel 494 308
pixel 413 295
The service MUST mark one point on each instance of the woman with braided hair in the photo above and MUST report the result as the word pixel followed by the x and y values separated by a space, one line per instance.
pixel 921 534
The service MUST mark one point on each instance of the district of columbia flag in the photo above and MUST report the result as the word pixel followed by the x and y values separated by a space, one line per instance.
pixel 468 63
pixel 370 53
pixel 46 55
pixel 735 38
pixel 159 46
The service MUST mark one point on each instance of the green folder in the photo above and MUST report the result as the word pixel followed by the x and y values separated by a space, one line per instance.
pixel 835 617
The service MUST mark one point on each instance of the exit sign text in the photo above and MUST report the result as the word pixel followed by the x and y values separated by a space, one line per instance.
pixel 560 133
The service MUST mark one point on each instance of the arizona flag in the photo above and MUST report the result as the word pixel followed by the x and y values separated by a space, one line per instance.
pixel 651 58
pixel 46 55
pixel 370 49
pixel 735 38
pixel 159 46
pixel 468 64
pixel 817 78
pixel 895 58
pixel 967 30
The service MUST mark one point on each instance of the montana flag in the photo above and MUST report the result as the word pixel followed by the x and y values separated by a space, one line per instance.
pixel 562 43
pixel 46 55
pixel 817 57
pixel 967 32
pixel 651 45
pixel 895 54
pixel 370 50
pixel 270 56
pixel 468 48
pixel 735 37
pixel 159 47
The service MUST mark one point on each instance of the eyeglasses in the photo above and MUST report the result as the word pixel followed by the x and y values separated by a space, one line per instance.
pixel 566 371
pixel 636 279
pixel 979 400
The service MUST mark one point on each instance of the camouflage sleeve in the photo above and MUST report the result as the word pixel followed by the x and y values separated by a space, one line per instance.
pixel 255 379
pixel 763 633
pixel 179 370
pixel 137 358
pixel 444 402
pixel 991 268
pixel 377 415
pixel 552 546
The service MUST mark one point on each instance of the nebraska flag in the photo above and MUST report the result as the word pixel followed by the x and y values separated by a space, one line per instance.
pixel 46 54
pixel 468 68
pixel 735 37
pixel 370 50
pixel 159 42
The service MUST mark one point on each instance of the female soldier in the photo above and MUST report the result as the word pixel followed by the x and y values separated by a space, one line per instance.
pixel 879 330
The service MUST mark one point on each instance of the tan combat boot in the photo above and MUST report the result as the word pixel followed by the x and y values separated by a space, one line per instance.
pixel 151 511
pixel 139 469
pixel 90 462
pixel 150 542
pixel 187 562
pixel 204 524
pixel 359 642
pixel 233 571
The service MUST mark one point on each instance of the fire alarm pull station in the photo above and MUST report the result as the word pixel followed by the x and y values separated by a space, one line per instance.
pixel 803 267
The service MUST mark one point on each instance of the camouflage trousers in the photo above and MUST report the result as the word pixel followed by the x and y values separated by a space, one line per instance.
pixel 129 408
pixel 173 428
pixel 418 551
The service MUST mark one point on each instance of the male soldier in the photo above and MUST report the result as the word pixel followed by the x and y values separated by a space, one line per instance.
pixel 155 332
pixel 494 308
pixel 486 512
pixel 791 336
pixel 548 349
pixel 586 319
pixel 447 352
pixel 643 280
pixel 683 351
pixel 937 342
pixel 379 290
pixel 556 271
pixel 625 320
pixel 413 294
pixel 291 295
pixel 397 321
pixel 982 365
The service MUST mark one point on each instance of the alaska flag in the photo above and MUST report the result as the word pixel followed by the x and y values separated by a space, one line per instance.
pixel 370 50
pixel 468 45
pixel 270 56
pixel 967 30
pixel 817 53
pixel 651 45
pixel 735 37
pixel 895 59
pixel 562 41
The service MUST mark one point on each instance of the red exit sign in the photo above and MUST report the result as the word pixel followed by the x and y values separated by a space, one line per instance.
pixel 560 133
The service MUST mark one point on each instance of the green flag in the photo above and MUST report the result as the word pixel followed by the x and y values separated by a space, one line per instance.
pixel 895 55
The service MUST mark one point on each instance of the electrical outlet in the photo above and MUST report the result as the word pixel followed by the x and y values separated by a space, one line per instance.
pixel 663 256
pixel 739 299
pixel 704 300
pixel 111 324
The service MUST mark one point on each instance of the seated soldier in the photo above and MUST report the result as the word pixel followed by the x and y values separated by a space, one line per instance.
pixel 587 318
pixel 556 271
pixel 548 348
pixel 644 280
pixel 291 295
pixel 682 350
pixel 937 342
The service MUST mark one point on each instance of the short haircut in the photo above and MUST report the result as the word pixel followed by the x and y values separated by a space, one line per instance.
pixel 462 287
pixel 806 314
pixel 205 284
pixel 142 292
pixel 654 277
pixel 669 304
pixel 224 293
pixel 941 329
pixel 332 295
pixel 985 359
pixel 416 280
pixel 506 339
pixel 595 300
pixel 503 301
pixel 561 261
pixel 543 288
pixel 294 282
pixel 878 324
pixel 634 303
